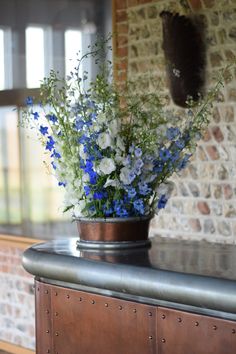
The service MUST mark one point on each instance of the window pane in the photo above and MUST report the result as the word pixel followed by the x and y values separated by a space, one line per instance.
pixel 35 66
pixel 73 46
pixel 2 79
pixel 10 210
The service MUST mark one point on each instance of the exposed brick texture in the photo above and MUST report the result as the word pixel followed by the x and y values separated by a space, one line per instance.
pixel 16 300
pixel 203 205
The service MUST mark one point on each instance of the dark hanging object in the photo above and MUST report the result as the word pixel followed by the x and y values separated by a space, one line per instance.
pixel 185 53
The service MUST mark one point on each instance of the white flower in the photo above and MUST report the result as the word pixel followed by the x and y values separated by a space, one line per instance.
pixel 82 153
pixel 78 209
pixel 107 166
pixel 101 118
pixel 148 166
pixel 85 177
pixel 70 199
pixel 120 143
pixel 113 127
pixel 112 183
pixel 118 158
pixel 104 140
pixel 165 189
pixel 126 175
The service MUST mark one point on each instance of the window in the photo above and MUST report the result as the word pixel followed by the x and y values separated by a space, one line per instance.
pixel 47 35
pixel 73 49
pixel 35 49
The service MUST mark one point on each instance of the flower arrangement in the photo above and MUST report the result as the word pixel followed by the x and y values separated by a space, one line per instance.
pixel 114 148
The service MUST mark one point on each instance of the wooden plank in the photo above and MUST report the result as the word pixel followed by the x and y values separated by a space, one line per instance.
pixel 14 349
pixel 18 241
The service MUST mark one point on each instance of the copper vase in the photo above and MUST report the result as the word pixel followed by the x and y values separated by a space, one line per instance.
pixel 113 232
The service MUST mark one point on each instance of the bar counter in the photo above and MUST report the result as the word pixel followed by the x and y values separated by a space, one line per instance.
pixel 161 298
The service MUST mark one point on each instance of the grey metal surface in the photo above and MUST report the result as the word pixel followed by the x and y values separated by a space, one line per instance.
pixel 93 245
pixel 194 274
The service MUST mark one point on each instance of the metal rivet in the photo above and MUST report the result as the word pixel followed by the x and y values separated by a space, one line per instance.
pixel 56 313
pixel 150 337
pixel 48 351
pixel 120 307
pixel 163 317
pixel 179 319
pixel 134 310
pixel 47 331
pixel 233 331
pixel 55 294
pixel 106 304
pixel 68 296
pixel 46 291
pixel 57 334
pixel 163 340
pixel 47 311
pixel 149 313
pixel 214 327
pixel 38 289
pixel 93 302
pixel 80 299
pixel 196 323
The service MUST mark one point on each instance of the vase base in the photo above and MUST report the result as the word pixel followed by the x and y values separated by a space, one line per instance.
pixel 99 245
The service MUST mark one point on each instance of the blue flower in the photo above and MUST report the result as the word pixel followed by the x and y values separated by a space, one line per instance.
pixel 158 166
pixel 97 195
pixel 131 192
pixel 144 189
pixel 139 206
pixel 122 213
pixel 162 202
pixel 180 143
pixel 53 165
pixel 132 176
pixel 87 190
pixel 92 209
pixel 52 118
pixel 62 184
pixel 172 133
pixel 43 130
pixel 138 152
pixel 107 211
pixel 119 208
pixel 175 156
pixel 93 115
pixel 165 154
pixel 36 115
pixel 138 164
pixel 183 163
pixel 131 149
pixel 92 177
pixel 89 166
pixel 56 154
pixel 83 139
pixel 29 101
pixel 79 124
pixel 50 143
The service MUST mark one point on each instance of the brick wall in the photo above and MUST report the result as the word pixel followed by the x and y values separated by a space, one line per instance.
pixel 204 203
pixel 16 299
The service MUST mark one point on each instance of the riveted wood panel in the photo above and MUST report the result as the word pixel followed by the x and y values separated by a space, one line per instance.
pixel 43 318
pixel 184 333
pixel 92 324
